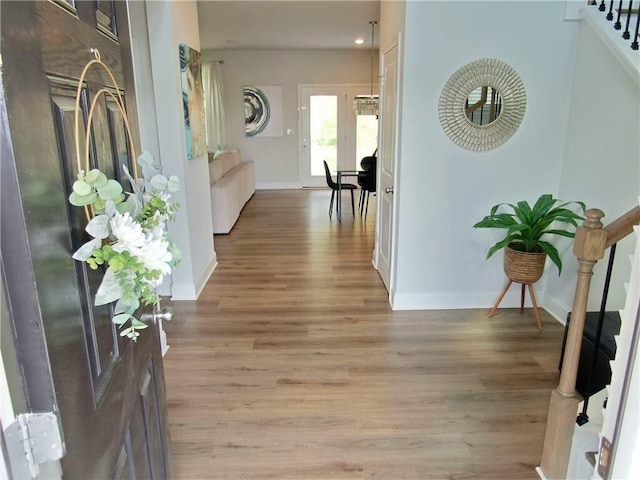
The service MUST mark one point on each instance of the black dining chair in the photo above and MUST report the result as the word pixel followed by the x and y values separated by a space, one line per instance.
pixel 334 188
pixel 367 181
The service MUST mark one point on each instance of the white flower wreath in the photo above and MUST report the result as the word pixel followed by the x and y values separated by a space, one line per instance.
pixel 129 237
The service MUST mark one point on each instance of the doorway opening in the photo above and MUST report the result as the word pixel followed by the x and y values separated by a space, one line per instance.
pixel 332 132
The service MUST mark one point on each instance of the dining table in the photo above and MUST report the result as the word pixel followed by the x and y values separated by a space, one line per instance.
pixel 340 174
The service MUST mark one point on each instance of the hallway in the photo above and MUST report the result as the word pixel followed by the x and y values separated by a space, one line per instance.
pixel 291 365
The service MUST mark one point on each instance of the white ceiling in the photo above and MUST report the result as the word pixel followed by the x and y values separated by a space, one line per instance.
pixel 286 24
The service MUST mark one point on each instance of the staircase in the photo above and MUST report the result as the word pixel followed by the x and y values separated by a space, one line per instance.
pixel 619 434
pixel 618 441
pixel 611 438
pixel 623 17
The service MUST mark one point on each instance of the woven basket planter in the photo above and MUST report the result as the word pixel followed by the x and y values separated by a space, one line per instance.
pixel 523 267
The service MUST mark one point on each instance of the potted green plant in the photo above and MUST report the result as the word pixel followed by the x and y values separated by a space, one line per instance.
pixel 525 250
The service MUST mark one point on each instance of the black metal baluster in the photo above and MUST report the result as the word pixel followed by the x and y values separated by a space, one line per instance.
pixel 610 14
pixel 626 34
pixel 582 416
pixel 618 25
pixel 602 6
pixel 634 44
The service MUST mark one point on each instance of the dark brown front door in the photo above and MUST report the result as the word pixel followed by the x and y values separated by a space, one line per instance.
pixel 107 391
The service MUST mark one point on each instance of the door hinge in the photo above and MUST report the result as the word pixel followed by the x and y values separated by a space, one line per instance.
pixel 33 439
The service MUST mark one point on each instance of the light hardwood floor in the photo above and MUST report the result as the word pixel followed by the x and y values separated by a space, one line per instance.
pixel 292 365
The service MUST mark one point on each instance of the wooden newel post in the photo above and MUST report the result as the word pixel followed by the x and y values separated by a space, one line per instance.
pixel 589 246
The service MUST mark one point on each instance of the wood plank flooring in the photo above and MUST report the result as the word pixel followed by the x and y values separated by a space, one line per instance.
pixel 291 365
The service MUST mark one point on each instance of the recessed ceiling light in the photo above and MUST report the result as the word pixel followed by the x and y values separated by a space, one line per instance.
pixel 359 41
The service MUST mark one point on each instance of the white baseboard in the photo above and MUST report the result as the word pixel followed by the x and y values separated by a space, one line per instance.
pixel 277 186
pixel 540 473
pixel 556 308
pixel 191 291
pixel 448 301
pixel 183 291
pixel 204 278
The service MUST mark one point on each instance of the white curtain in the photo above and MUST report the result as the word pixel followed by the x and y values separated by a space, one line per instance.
pixel 214 106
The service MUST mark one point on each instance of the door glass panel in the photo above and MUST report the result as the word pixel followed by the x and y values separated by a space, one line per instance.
pixel 119 141
pixel 106 18
pixel 124 469
pixel 323 130
pixel 67 4
pixel 102 142
pixel 153 429
pixel 100 333
pixel 366 137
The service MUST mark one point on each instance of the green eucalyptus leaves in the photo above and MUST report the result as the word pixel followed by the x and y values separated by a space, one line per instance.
pixel 93 188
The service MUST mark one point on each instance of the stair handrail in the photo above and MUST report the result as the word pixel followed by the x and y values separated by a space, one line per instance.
pixel 590 242
pixel 480 103
pixel 622 226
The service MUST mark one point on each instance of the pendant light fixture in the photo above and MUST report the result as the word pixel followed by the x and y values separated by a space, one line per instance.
pixel 367 104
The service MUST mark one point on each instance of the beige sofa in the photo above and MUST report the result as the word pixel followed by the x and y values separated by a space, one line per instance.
pixel 233 182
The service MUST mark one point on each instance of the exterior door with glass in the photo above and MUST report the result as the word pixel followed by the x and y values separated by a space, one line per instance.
pixel 331 131
pixel 106 392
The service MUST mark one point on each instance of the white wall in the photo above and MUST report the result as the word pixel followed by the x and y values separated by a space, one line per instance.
pixel 443 189
pixel 169 24
pixel 277 158
pixel 602 158
pixel 392 15
pixel 145 100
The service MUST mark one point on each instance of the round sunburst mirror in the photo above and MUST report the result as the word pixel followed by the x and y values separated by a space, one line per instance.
pixel 482 104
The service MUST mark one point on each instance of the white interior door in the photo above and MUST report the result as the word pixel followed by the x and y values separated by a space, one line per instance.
pixel 331 131
pixel 387 159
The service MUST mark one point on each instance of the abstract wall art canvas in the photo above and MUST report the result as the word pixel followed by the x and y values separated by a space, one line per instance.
pixel 193 101
pixel 263 111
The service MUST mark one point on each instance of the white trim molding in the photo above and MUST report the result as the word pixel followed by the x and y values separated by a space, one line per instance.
pixel 191 291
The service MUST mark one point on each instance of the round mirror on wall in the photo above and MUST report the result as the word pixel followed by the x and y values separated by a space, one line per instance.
pixel 482 104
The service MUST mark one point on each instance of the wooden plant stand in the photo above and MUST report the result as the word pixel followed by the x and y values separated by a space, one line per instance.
pixel 533 300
